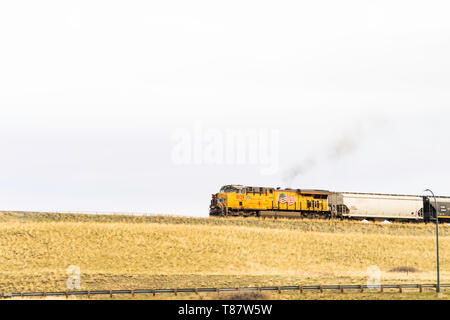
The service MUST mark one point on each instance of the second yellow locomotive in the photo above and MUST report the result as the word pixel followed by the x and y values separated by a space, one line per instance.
pixel 238 200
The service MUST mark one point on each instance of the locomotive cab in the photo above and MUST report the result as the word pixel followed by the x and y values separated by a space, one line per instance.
pixel 220 201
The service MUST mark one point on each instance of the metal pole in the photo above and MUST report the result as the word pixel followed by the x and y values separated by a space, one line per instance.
pixel 438 287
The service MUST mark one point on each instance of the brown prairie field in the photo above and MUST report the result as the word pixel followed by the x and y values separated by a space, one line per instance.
pixel 130 252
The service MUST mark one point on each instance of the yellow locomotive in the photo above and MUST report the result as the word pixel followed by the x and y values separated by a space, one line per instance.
pixel 238 200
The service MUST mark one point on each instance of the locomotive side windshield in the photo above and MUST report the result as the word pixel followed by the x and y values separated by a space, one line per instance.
pixel 236 189
pixel 228 189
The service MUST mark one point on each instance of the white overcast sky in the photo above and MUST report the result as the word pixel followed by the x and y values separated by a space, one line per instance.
pixel 91 93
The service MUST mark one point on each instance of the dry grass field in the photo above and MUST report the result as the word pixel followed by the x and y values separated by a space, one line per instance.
pixel 129 252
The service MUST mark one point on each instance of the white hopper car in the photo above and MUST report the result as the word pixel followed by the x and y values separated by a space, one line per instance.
pixel 387 206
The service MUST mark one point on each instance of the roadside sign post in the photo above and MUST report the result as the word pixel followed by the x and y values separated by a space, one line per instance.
pixel 438 286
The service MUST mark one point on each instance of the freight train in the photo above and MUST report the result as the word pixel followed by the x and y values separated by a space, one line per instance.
pixel 238 200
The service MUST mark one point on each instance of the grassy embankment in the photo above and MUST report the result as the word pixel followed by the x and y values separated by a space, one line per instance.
pixel 118 251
